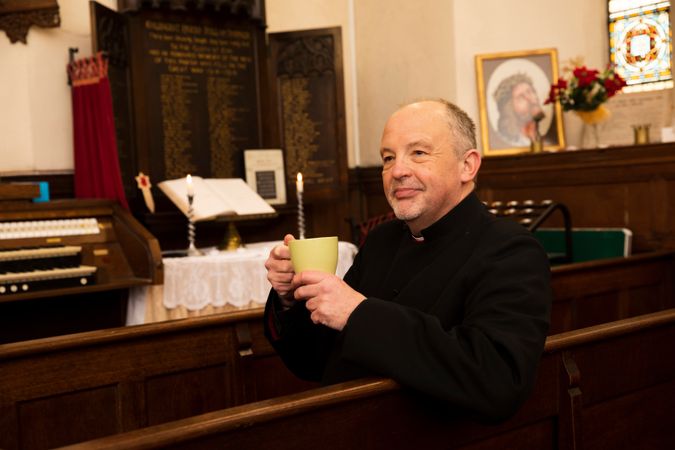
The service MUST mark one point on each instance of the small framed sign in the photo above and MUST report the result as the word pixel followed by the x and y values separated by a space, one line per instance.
pixel 265 174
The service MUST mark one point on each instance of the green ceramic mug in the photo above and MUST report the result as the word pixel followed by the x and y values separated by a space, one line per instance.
pixel 314 254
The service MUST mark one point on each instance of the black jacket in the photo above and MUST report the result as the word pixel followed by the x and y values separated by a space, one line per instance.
pixel 461 316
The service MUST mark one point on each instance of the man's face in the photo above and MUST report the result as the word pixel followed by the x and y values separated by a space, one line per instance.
pixel 525 102
pixel 421 174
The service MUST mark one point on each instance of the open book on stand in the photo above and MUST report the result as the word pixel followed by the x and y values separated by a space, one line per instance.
pixel 215 197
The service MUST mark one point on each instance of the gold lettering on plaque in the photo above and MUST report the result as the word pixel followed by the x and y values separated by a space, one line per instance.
pixel 201 64
pixel 299 129
pixel 175 98
pixel 220 134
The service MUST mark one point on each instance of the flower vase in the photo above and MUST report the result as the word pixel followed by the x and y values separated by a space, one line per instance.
pixel 590 136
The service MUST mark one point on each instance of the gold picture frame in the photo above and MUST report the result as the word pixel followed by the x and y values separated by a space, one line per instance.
pixel 512 87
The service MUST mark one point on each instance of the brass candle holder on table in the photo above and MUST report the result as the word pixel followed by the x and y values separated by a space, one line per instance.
pixel 641 134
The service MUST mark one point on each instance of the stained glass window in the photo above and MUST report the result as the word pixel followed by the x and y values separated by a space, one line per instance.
pixel 640 43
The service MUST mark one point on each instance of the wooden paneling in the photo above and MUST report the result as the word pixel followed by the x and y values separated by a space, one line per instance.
pixel 93 384
pixel 16 191
pixel 628 187
pixel 632 430
pixel 60 184
pixel 584 399
pixel 614 187
pixel 307 75
pixel 42 423
pixel 134 377
pixel 594 292
pixel 176 395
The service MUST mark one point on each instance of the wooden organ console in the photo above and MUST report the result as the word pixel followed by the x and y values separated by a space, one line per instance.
pixel 66 266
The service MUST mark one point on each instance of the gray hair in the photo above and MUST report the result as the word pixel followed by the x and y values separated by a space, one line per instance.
pixel 462 128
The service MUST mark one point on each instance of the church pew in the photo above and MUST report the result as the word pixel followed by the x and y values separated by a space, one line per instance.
pixel 609 386
pixel 599 291
pixel 65 389
pixel 79 387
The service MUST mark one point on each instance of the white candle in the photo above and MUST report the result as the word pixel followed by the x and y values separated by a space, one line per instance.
pixel 190 187
pixel 301 211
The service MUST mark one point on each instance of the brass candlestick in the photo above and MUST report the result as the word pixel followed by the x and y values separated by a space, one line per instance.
pixel 232 238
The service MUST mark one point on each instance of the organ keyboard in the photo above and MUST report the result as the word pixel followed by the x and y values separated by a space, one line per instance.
pixel 29 269
pixel 48 228
pixel 70 259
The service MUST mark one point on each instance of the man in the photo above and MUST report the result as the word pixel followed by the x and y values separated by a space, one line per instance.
pixel 518 104
pixel 447 300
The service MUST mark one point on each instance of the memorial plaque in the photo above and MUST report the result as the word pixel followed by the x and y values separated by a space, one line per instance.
pixel 193 87
pixel 310 96
pixel 203 99
pixel 191 91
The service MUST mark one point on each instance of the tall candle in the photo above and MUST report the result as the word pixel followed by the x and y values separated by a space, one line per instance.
pixel 301 212
pixel 190 187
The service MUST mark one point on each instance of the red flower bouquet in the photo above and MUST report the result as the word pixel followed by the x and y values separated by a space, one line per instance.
pixel 584 91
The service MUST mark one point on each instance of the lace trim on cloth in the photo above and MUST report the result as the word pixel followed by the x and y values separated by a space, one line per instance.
pixel 236 278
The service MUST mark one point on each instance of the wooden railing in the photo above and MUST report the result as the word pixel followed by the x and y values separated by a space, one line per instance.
pixel 604 387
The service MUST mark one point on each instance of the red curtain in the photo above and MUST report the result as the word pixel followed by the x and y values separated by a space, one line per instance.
pixel 97 168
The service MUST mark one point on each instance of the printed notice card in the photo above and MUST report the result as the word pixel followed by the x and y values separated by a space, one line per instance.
pixel 215 197
pixel 265 174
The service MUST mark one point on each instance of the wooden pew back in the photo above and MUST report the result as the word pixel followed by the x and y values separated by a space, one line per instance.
pixel 68 389
pixel 600 291
pixel 602 387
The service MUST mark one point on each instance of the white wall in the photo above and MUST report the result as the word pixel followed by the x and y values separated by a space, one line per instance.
pixel 394 51
pixel 404 50
pixel 35 107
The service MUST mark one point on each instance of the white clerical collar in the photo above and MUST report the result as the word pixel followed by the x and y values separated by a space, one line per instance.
pixel 417 238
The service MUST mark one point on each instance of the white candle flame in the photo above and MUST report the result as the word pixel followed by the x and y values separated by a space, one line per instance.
pixel 190 187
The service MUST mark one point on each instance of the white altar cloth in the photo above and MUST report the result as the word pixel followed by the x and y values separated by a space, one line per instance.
pixel 234 279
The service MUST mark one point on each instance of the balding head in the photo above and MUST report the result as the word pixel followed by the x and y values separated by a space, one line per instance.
pixel 462 128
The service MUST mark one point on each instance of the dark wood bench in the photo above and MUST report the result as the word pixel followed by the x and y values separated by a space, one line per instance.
pixel 600 291
pixel 67 389
pixel 611 386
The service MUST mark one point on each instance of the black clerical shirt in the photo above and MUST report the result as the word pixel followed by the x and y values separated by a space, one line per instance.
pixel 461 316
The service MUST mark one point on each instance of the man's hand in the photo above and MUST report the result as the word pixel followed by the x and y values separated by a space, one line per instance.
pixel 280 271
pixel 330 300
